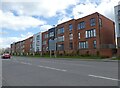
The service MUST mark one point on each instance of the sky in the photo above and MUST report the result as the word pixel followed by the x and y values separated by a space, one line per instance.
pixel 20 19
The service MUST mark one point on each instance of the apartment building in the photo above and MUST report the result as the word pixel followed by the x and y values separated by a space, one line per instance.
pixel 117 22
pixel 18 48
pixel 96 35
pixel 28 46
pixel 13 47
pixel 87 36
pixel 93 34
pixel 22 47
pixel 66 39
pixel 52 40
pixel 37 43
pixel 45 42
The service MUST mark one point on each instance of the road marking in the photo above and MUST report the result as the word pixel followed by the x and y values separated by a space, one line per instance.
pixel 44 66
pixel 26 63
pixel 102 77
pixel 52 68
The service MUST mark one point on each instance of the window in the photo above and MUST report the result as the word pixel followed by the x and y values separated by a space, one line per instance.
pixel 118 12
pixel 81 25
pixel 83 45
pixel 79 35
pixel 37 49
pixel 100 22
pixel 94 43
pixel 31 40
pixel 37 43
pixel 119 28
pixel 71 36
pixel 38 37
pixel 51 34
pixel 92 22
pixel 61 30
pixel 44 42
pixel 70 27
pixel 71 45
pixel 94 33
pixel 90 33
pixel 60 39
pixel 46 36
pixel 86 44
pixel 60 47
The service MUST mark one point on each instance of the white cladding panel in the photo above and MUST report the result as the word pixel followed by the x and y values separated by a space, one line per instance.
pixel 37 42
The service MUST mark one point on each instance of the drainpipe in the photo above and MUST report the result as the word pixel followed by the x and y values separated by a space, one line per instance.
pixel 99 32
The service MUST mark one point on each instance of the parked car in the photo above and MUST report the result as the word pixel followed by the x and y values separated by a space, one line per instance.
pixel 6 56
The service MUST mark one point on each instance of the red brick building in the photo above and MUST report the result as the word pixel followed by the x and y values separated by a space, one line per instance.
pixel 66 37
pixel 28 45
pixel 23 47
pixel 97 35
pixel 91 35
pixel 45 42
pixel 118 43
pixel 13 47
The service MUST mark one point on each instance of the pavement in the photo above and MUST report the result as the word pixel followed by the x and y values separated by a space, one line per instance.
pixel 30 71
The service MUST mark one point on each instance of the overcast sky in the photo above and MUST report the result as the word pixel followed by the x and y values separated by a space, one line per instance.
pixel 20 19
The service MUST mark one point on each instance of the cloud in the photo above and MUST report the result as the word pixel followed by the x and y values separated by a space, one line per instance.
pixel 2 32
pixel 45 8
pixel 88 7
pixel 6 41
pixel 10 21
pixel 45 27
pixel 63 19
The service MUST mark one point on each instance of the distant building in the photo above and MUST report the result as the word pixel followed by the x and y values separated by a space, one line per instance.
pixel 117 22
pixel 22 47
pixel 37 43
pixel 13 48
pixel 51 40
pixel 45 39
pixel 28 46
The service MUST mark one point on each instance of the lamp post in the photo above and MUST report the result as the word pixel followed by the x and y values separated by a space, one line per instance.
pixel 55 39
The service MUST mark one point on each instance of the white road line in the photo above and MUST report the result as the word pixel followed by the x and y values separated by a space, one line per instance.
pixel 52 68
pixel 26 63
pixel 44 66
pixel 102 77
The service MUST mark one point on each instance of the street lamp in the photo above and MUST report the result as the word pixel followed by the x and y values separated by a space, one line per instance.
pixel 55 39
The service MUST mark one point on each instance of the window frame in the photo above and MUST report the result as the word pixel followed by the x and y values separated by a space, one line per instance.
pixel 81 25
pixel 92 22
pixel 70 27
pixel 94 44
pixel 83 45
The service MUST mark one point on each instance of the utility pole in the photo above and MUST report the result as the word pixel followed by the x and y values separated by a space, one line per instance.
pixel 55 39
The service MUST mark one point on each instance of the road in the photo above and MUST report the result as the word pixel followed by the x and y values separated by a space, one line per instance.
pixel 28 71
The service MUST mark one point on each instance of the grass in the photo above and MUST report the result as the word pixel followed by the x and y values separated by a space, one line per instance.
pixel 72 57
pixel 69 57
pixel 117 58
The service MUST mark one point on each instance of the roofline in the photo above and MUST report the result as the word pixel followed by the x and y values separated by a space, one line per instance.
pixel 88 15
pixel 65 22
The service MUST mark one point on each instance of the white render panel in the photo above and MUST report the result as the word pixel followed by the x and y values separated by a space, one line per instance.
pixel 117 20
pixel 37 44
